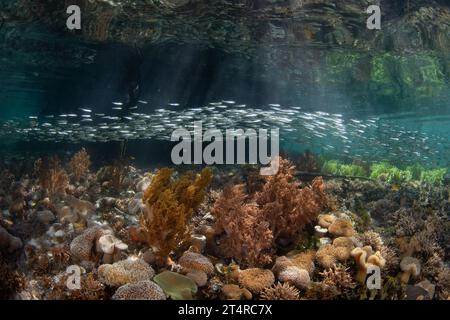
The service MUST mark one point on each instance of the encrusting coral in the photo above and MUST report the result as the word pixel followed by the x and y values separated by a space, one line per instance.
pixel 169 205
pixel 79 164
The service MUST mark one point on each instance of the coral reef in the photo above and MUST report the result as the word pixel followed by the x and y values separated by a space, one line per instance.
pixel 247 238
pixel 281 240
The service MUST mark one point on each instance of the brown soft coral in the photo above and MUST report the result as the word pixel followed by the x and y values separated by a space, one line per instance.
pixel 247 238
pixel 252 224
pixel 169 207
pixel 285 206
pixel 52 177
pixel 79 164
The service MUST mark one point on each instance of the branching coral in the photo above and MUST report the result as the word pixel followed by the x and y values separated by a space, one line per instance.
pixel 169 204
pixel 79 164
pixel 52 177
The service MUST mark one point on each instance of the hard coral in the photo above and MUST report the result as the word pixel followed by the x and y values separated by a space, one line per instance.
pixel 125 271
pixel 82 245
pixel 256 279
pixel 79 164
pixel 143 290
pixel 280 291
pixel 194 261
pixel 169 207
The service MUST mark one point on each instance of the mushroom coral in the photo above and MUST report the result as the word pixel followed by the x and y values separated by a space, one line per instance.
pixel 169 204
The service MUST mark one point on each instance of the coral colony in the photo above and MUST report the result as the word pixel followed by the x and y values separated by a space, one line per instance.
pixel 199 235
